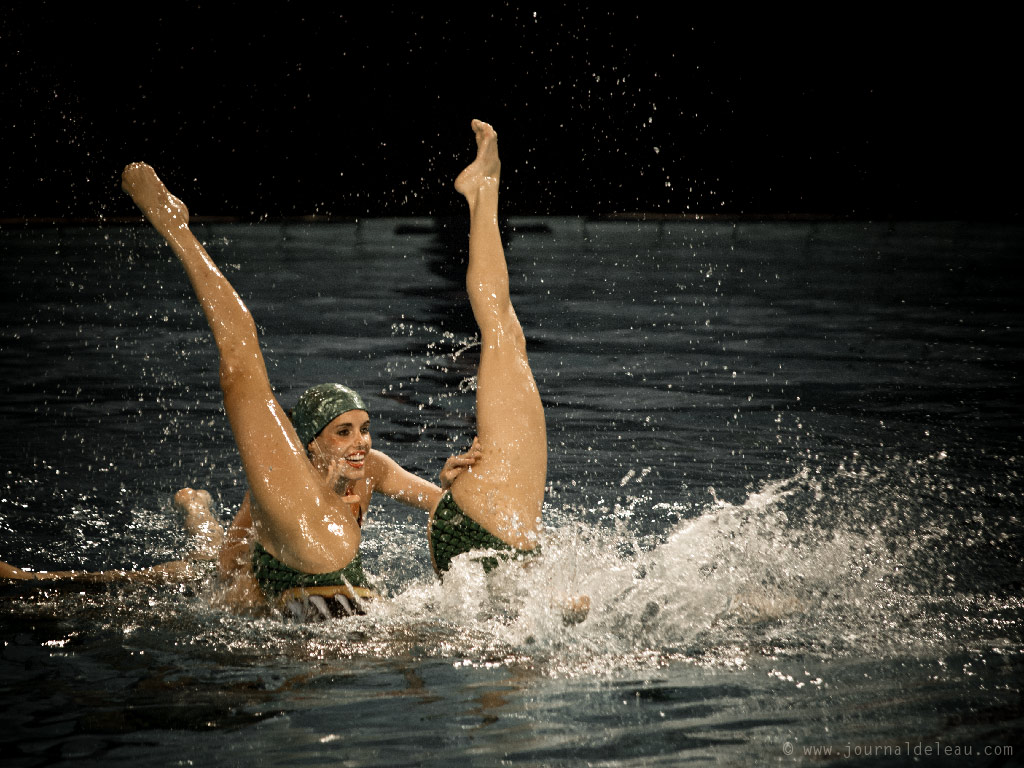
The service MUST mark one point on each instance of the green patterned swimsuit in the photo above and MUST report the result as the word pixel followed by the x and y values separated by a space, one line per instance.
pixel 453 533
pixel 275 577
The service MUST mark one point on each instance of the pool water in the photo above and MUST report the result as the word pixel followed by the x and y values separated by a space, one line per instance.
pixel 785 466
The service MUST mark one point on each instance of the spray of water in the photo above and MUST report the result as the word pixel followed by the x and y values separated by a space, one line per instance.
pixel 859 561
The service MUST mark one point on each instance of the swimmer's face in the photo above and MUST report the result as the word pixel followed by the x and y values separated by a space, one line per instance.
pixel 345 441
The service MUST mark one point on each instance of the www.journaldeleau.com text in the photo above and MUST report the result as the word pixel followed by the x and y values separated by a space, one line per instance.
pixel 905 749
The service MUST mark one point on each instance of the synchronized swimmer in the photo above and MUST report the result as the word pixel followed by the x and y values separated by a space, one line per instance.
pixel 311 477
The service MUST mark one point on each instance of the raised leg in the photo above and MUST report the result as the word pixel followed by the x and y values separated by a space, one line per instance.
pixel 207 533
pixel 298 519
pixel 504 491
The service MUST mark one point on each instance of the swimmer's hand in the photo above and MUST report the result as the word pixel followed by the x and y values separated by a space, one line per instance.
pixel 338 483
pixel 456 465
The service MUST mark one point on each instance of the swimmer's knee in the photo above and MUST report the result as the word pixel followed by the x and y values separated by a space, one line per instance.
pixel 503 330
pixel 510 325
pixel 518 338
pixel 239 347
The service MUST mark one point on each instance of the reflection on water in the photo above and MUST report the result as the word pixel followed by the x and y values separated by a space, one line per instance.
pixel 785 467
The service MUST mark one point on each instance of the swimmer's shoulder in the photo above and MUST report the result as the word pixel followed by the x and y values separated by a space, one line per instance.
pixel 378 467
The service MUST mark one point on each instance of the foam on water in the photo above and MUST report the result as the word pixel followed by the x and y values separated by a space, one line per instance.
pixel 735 577
pixel 857 561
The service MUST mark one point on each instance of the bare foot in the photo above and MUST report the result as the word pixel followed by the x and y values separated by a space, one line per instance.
pixel 485 171
pixel 164 211
pixel 199 521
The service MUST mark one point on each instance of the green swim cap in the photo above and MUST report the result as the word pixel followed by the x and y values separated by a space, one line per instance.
pixel 318 406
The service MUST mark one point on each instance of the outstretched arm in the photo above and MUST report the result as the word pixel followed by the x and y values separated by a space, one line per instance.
pixel 175 571
pixel 207 535
pixel 398 483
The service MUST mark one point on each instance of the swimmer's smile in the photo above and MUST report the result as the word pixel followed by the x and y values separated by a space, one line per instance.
pixel 345 443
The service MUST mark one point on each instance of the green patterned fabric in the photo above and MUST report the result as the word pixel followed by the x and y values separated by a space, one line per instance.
pixel 453 533
pixel 275 577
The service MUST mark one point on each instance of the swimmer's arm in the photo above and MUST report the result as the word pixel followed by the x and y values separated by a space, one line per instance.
pixel 165 573
pixel 393 481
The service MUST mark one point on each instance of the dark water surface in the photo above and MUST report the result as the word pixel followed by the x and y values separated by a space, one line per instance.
pixel 785 464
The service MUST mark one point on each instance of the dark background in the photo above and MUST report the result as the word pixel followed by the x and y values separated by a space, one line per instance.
pixel 346 113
